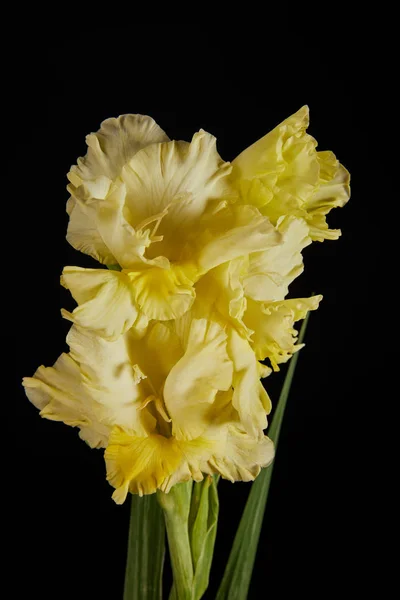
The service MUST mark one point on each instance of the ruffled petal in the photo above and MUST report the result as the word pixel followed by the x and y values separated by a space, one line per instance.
pixel 116 142
pixel 93 387
pixel 241 457
pixel 83 235
pixel 233 232
pixel 193 383
pixel 178 181
pixel 280 171
pixel 128 244
pixel 162 294
pixel 333 192
pixel 269 273
pixel 106 302
pixel 274 336
pixel 139 464
pixel 249 397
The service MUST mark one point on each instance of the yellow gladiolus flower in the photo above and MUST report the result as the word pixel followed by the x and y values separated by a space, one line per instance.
pixel 162 406
pixel 164 364
pixel 283 174
pixel 164 212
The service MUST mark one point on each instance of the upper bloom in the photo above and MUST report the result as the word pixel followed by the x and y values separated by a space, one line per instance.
pixel 165 212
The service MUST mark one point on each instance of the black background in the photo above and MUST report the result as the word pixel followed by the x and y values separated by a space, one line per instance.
pixel 68 534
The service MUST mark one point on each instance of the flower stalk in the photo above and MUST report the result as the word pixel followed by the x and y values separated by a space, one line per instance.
pixel 176 508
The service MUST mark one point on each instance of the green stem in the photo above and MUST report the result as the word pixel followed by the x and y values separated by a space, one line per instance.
pixel 176 507
pixel 146 550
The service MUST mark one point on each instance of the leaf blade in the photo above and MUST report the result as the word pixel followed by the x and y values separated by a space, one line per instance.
pixel 237 576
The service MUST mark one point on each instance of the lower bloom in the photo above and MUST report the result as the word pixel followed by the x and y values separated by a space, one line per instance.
pixel 166 407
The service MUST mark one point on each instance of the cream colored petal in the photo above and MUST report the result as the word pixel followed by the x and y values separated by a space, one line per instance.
pixel 233 232
pixel 156 353
pixel 280 171
pixel 270 272
pixel 225 448
pixel 83 234
pixel 113 223
pixel 91 179
pixel 106 303
pixel 193 383
pixel 221 291
pixel 178 180
pixel 241 457
pixel 116 142
pixel 249 398
pixel 274 335
pixel 162 294
pixel 333 192
pixel 93 387
pixel 139 464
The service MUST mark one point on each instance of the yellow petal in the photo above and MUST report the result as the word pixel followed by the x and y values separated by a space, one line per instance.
pixel 162 294
pixel 157 353
pixel 139 464
pixel 116 142
pixel 249 398
pixel 233 232
pixel 241 457
pixel 285 166
pixel 83 234
pixel 333 191
pixel 178 180
pixel 109 150
pixel 269 273
pixel 127 244
pixel 274 336
pixel 221 290
pixel 193 383
pixel 106 302
pixel 93 387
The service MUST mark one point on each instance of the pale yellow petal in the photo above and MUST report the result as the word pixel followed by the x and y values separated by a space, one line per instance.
pixel 127 244
pixel 233 232
pixel 180 181
pixel 162 294
pixel 83 234
pixel 91 180
pixel 106 302
pixel 221 291
pixel 280 171
pixel 193 383
pixel 333 192
pixel 249 398
pixel 269 273
pixel 241 457
pixel 157 353
pixel 274 335
pixel 110 148
pixel 139 464
pixel 93 387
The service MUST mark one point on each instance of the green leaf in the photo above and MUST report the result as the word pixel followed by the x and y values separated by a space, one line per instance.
pixel 146 550
pixel 202 530
pixel 236 580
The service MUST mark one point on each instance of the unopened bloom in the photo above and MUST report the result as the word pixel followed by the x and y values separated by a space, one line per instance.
pixel 283 174
pixel 161 406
